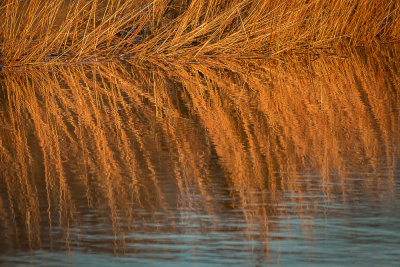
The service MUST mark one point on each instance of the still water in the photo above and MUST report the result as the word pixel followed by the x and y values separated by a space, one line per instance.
pixel 251 163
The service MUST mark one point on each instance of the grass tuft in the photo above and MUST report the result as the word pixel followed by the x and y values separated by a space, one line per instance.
pixel 43 32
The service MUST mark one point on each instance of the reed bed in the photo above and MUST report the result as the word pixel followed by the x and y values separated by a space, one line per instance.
pixel 66 31
pixel 113 140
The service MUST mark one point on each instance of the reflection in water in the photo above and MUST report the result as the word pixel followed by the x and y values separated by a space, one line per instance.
pixel 231 162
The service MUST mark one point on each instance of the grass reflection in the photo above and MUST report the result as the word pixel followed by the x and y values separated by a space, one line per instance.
pixel 144 147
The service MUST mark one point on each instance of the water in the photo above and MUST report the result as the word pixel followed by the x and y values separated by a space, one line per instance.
pixel 242 163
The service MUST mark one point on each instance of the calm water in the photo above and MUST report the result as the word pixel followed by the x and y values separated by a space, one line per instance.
pixel 242 163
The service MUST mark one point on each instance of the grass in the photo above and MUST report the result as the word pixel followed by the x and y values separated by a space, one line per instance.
pixel 258 118
pixel 66 31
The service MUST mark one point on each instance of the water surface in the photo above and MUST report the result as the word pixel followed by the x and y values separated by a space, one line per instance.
pixel 242 162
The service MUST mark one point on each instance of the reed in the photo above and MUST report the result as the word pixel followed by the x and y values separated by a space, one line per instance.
pixel 64 31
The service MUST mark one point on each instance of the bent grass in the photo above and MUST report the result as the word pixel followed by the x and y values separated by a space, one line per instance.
pixel 43 32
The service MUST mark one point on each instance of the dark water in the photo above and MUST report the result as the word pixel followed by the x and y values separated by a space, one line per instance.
pixel 233 163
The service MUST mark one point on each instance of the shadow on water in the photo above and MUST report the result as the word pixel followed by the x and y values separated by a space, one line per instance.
pixel 245 162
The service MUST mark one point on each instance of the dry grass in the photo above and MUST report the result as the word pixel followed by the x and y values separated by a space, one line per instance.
pixel 43 32
pixel 109 137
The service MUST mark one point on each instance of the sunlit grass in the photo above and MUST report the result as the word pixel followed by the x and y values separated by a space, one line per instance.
pixel 43 32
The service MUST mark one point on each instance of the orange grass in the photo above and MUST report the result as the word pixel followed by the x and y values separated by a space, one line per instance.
pixel 110 136
pixel 43 32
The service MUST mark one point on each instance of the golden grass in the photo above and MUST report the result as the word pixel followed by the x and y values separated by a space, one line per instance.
pixel 43 32
pixel 116 138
